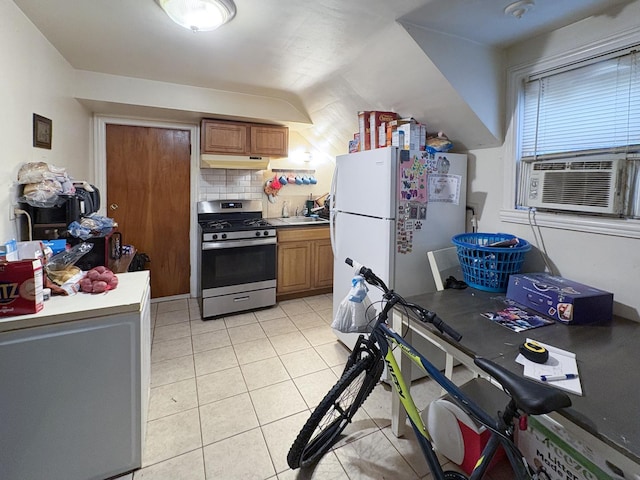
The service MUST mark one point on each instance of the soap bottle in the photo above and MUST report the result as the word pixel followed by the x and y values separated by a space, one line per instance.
pixel 285 209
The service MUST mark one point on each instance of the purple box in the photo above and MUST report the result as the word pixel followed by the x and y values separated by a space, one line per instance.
pixel 564 300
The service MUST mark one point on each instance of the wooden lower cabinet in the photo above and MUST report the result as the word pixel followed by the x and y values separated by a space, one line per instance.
pixel 305 262
pixel 322 257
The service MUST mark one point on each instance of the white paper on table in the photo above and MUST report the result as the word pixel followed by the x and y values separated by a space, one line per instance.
pixel 560 362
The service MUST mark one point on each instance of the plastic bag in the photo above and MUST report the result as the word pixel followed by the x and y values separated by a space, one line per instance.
pixel 355 312
pixel 440 143
pixel 92 226
pixel 66 259
pixel 63 277
pixel 35 172
pixel 43 194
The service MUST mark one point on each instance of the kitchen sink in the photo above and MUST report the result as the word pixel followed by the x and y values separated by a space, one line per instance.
pixel 303 220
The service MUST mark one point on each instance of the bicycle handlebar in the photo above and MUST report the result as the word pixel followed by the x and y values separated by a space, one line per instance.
pixel 424 315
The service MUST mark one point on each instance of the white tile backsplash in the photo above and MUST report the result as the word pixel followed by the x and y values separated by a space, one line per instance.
pixel 218 184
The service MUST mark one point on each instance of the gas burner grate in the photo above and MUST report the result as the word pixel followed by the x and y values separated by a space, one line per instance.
pixel 217 225
pixel 256 222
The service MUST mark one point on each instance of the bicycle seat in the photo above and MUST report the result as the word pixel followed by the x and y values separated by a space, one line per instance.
pixel 530 396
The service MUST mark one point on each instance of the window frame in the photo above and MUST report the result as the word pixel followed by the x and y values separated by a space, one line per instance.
pixel 516 76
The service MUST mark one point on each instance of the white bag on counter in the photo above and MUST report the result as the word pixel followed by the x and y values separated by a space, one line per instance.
pixel 355 311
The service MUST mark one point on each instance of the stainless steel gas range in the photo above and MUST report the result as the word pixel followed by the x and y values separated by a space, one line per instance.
pixel 237 257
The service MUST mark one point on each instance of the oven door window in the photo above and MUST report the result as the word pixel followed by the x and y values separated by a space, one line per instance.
pixel 225 267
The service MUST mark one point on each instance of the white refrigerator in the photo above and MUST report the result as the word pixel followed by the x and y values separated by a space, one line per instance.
pixel 389 207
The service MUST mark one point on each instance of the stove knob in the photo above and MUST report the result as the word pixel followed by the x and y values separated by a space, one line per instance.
pixel 257 234
pixel 215 236
pixel 266 232
pixel 224 235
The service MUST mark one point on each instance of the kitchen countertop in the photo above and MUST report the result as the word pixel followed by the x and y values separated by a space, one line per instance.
pixel 125 298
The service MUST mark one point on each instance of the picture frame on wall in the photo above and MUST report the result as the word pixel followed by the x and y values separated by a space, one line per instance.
pixel 42 130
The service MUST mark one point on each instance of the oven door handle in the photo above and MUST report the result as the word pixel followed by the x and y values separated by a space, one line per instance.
pixel 238 243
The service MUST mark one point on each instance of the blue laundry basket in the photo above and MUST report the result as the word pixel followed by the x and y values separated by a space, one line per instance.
pixel 486 266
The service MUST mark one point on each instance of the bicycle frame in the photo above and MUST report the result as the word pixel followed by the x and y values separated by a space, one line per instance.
pixel 388 340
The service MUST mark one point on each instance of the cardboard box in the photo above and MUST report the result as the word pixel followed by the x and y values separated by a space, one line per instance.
pixel 20 287
pixel 377 127
pixel 423 137
pixel 564 300
pixel 9 251
pixel 413 136
pixel 364 130
pixel 392 128
pixel 546 445
pixel 397 139
pixel 56 246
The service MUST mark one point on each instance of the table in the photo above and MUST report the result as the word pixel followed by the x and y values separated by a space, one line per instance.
pixel 606 355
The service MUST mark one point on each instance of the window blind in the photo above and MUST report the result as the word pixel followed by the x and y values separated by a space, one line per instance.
pixel 593 108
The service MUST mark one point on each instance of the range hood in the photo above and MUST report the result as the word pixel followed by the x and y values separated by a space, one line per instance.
pixel 234 162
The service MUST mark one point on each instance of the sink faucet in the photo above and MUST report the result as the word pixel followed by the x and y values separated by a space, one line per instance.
pixel 296 211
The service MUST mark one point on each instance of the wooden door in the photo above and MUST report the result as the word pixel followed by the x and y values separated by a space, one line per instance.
pixel 148 181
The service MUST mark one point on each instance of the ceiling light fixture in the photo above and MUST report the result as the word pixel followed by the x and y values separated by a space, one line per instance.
pixel 518 9
pixel 199 15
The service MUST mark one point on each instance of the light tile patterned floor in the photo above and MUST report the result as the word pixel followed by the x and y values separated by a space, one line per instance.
pixel 228 397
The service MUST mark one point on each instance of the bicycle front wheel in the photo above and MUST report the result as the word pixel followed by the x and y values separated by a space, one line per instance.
pixel 335 412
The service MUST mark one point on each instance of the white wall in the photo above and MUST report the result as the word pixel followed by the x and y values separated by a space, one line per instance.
pixel 608 262
pixel 35 79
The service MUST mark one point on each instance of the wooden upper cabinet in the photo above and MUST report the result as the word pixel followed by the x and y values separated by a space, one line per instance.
pixel 238 138
pixel 269 140
pixel 224 137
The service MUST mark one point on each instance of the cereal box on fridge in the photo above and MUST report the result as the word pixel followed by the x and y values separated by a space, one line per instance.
pixel 364 130
pixel 413 136
pixel 392 128
pixel 20 287
pixel 378 129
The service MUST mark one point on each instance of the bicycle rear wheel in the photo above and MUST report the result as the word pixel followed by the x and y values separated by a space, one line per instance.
pixel 335 412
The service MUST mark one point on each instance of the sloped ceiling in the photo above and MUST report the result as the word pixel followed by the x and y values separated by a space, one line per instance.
pixel 310 64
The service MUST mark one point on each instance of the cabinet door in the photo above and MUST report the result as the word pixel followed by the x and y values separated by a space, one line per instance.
pixel 322 264
pixel 270 141
pixel 294 261
pixel 224 137
pixel 71 399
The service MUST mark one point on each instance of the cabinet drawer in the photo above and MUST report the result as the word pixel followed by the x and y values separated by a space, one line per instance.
pixel 226 303
pixel 302 234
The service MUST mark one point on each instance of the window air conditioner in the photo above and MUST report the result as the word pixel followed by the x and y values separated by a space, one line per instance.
pixel 587 184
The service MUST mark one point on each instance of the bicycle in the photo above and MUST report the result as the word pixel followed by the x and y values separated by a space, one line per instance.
pixel 363 371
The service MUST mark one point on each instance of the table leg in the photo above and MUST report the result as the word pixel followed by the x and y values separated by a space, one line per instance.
pixel 398 414
pixel 448 368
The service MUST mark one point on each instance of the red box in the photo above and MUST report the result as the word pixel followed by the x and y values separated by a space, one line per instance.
pixel 20 287
pixel 378 129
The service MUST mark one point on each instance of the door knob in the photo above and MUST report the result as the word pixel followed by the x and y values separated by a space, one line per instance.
pixel 113 206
